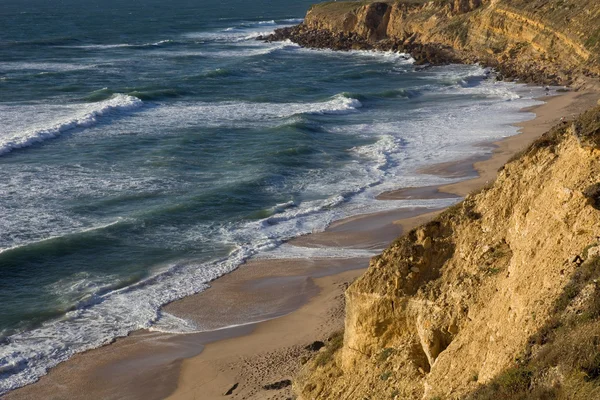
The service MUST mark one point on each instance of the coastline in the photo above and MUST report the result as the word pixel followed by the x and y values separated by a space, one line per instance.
pixel 174 362
pixel 256 345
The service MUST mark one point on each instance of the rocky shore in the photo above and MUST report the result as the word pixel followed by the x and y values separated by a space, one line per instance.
pixel 428 53
pixel 551 44
pixel 424 54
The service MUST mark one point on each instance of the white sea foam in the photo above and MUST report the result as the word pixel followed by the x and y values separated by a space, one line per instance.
pixel 83 116
pixel 293 20
pixel 11 66
pixel 290 252
pixel 246 49
pixel 240 113
pixel 380 150
pixel 397 57
pixel 69 230
pixel 242 32
pixel 169 323
pixel 117 45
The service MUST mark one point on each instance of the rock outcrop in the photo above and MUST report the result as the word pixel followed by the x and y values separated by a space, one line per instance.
pixel 543 41
pixel 452 305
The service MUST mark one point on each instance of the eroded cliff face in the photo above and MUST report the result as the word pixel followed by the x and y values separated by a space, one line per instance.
pixel 538 40
pixel 452 305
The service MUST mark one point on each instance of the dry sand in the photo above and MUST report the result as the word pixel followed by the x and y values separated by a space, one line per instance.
pixel 301 300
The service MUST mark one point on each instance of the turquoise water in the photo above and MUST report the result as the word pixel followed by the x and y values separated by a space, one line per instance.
pixel 148 148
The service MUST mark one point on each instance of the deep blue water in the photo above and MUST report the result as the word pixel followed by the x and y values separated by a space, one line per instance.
pixel 149 147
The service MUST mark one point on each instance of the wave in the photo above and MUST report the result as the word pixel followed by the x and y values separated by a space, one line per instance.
pixel 253 50
pixel 43 66
pixel 140 93
pixel 397 57
pixel 290 252
pixel 87 116
pixel 244 31
pixel 155 94
pixel 119 45
pixel 241 113
pixel 394 93
pixel 381 150
pixel 292 20
pixel 106 312
pixel 229 36
pixel 50 41
pixel 51 241
pixel 270 22
pixel 218 72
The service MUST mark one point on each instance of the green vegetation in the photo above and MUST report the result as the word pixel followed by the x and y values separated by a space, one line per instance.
pixel 592 193
pixel 339 7
pixel 587 248
pixel 385 376
pixel 562 360
pixel 593 40
pixel 459 29
pixel 326 354
pixel 385 354
pixel 492 271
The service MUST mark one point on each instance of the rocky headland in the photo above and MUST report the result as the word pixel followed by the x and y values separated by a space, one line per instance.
pixel 498 297
pixel 541 41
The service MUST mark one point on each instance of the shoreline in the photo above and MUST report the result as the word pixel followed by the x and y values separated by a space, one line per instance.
pixel 172 362
pixel 486 169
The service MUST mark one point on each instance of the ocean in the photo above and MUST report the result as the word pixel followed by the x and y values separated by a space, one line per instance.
pixel 149 147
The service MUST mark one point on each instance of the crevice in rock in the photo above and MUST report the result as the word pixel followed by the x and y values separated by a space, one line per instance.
pixel 230 391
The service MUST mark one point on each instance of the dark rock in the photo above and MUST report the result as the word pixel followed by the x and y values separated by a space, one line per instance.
pixel 278 385
pixel 577 260
pixel 315 346
pixel 429 53
pixel 592 193
pixel 230 391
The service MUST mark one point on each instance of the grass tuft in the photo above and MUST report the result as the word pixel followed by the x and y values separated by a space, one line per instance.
pixel 325 356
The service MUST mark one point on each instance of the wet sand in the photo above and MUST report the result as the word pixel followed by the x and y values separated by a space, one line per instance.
pixel 298 300
pixel 547 115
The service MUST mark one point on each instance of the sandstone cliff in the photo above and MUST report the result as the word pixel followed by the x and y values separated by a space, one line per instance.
pixel 549 41
pixel 496 298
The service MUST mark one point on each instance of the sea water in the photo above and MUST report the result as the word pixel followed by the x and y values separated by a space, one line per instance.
pixel 149 147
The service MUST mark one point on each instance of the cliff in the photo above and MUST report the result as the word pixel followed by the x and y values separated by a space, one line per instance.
pixel 496 298
pixel 549 41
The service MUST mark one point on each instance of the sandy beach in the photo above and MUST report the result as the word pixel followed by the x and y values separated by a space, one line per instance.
pixel 299 301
